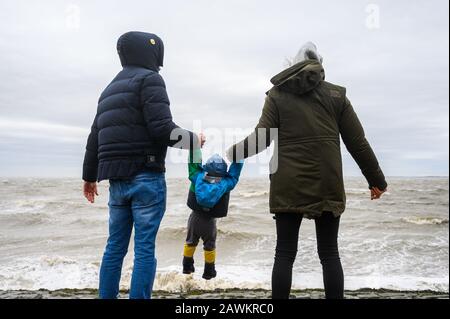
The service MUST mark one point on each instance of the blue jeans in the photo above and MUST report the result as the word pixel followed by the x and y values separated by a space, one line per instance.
pixel 140 201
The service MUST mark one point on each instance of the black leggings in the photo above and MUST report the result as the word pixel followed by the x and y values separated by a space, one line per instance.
pixel 327 227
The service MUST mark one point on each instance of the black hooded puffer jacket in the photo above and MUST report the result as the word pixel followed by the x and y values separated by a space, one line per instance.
pixel 133 125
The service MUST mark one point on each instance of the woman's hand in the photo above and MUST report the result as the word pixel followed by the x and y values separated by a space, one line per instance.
pixel 375 193
pixel 229 154
pixel 90 191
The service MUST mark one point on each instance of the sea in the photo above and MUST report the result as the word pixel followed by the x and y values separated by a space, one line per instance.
pixel 51 238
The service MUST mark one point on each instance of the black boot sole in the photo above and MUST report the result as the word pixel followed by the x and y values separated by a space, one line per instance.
pixel 185 272
pixel 208 277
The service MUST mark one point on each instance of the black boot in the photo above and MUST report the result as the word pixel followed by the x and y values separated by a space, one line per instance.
pixel 188 265
pixel 210 271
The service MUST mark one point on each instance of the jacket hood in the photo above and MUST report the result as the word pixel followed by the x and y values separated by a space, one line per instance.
pixel 216 166
pixel 301 77
pixel 141 49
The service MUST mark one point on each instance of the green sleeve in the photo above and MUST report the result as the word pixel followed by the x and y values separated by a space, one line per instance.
pixel 194 164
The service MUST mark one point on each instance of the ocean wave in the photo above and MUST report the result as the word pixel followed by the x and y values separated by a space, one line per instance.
pixel 441 191
pixel 425 201
pixel 31 207
pixel 253 194
pixel 48 272
pixel 88 222
pixel 436 191
pixel 223 234
pixel 175 281
pixel 26 219
pixel 57 272
pixel 425 220
pixel 357 191
pixel 246 239
pixel 21 207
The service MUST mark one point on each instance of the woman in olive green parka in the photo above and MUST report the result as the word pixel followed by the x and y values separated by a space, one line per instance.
pixel 309 116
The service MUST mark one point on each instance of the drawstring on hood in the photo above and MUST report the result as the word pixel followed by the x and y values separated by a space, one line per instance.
pixel 305 73
pixel 141 49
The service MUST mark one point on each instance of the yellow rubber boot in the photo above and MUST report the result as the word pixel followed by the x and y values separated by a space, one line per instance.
pixel 210 256
pixel 210 266
pixel 189 251
pixel 188 259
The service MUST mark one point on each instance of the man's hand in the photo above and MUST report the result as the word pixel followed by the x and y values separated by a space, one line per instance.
pixel 202 139
pixel 375 193
pixel 90 191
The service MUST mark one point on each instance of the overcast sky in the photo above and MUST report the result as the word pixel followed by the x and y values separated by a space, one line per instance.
pixel 57 56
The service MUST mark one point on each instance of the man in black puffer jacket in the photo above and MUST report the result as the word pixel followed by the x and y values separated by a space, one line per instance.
pixel 127 146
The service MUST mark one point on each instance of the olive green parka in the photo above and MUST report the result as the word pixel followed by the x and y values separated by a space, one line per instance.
pixel 310 115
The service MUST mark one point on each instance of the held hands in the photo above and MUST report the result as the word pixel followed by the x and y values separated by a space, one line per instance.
pixel 376 193
pixel 202 139
pixel 90 191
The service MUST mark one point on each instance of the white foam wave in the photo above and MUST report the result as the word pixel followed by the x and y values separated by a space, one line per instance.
pixel 253 194
pixel 171 279
pixel 54 273
pixel 425 220
pixel 47 273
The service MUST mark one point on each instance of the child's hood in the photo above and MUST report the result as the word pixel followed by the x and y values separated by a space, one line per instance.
pixel 216 166
pixel 141 49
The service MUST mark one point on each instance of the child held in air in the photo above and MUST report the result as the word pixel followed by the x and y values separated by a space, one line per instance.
pixel 209 196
